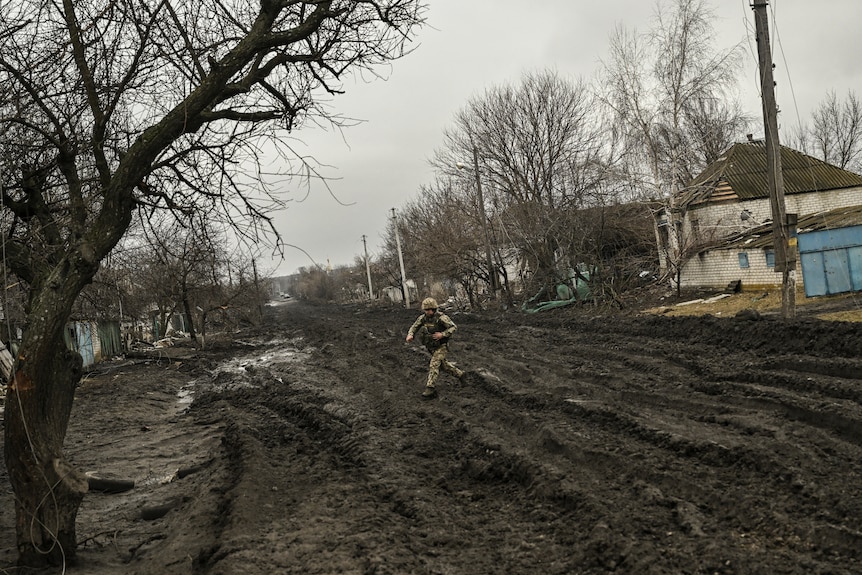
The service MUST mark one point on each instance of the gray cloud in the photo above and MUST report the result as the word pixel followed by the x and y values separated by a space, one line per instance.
pixel 471 45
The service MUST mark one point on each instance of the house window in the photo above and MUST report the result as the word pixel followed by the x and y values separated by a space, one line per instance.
pixel 695 229
pixel 770 259
pixel 743 260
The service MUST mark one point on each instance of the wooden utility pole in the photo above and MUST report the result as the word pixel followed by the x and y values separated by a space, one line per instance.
pixel 367 268
pixel 405 289
pixel 785 253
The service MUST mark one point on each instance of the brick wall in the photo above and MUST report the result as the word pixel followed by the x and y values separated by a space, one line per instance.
pixel 718 220
pixel 717 268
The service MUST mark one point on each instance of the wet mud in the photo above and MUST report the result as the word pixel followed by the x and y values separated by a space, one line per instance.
pixel 578 443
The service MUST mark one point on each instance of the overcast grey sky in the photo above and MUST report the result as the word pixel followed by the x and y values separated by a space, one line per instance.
pixel 471 45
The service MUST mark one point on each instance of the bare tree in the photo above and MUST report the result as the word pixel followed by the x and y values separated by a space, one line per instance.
pixel 835 135
pixel 540 148
pixel 314 284
pixel 169 268
pixel 176 267
pixel 184 263
pixel 341 284
pixel 113 106
pixel 673 96
pixel 445 242
pixel 141 282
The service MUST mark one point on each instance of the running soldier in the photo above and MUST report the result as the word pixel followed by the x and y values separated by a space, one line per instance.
pixel 434 329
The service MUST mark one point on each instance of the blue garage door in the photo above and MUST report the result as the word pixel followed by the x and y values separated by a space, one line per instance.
pixel 831 261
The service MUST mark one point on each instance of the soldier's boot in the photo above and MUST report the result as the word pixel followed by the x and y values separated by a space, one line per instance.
pixel 429 393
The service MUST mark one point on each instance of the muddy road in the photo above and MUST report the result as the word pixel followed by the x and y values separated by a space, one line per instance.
pixel 577 444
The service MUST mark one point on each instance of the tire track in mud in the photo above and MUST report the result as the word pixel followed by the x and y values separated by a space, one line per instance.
pixel 651 425
pixel 395 499
pixel 591 477
pixel 392 456
pixel 495 459
pixel 614 449
pixel 652 414
pixel 757 384
pixel 297 449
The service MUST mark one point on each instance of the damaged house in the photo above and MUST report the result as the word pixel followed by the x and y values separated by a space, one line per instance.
pixel 717 232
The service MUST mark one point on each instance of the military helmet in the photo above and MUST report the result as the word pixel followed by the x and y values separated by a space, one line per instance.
pixel 429 303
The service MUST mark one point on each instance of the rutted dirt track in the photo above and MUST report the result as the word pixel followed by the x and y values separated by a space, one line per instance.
pixel 576 445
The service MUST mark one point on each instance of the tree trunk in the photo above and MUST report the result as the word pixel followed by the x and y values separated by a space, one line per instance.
pixel 163 323
pixel 188 309
pixel 48 490
pixel 203 326
pixel 507 288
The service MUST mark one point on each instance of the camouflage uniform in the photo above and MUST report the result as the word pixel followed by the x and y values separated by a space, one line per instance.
pixel 424 327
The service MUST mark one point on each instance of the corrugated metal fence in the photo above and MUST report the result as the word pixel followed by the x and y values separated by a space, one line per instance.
pixel 95 341
pixel 831 260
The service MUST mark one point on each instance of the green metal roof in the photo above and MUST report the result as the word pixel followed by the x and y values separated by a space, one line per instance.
pixel 740 174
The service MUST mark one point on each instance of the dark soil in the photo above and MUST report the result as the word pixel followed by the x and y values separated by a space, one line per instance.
pixel 579 443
